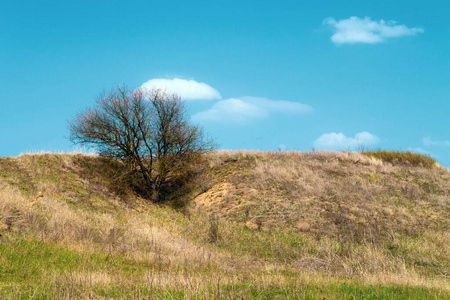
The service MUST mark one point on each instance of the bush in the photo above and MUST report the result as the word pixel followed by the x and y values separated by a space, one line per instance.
pixel 403 158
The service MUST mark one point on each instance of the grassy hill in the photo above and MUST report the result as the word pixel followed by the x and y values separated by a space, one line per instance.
pixel 333 225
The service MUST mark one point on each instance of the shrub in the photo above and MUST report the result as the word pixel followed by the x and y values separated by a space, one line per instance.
pixel 403 158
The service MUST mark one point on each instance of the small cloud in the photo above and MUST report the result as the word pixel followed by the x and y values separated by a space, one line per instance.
pixel 356 30
pixel 279 106
pixel 186 89
pixel 339 141
pixel 419 150
pixel 244 109
pixel 282 147
pixel 427 141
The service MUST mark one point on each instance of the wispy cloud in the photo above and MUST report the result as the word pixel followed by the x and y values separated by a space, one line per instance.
pixel 245 109
pixel 232 109
pixel 356 30
pixel 427 141
pixel 186 89
pixel 420 150
pixel 339 141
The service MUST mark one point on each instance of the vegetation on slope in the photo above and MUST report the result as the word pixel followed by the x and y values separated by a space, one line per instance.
pixel 254 225
pixel 339 213
pixel 406 158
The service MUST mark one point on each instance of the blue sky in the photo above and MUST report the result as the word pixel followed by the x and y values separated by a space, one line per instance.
pixel 268 75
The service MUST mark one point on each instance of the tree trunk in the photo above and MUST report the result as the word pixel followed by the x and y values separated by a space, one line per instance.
pixel 154 196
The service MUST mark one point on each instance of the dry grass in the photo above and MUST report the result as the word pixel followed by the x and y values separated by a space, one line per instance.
pixel 289 224
pixel 350 210
pixel 327 186
pixel 140 235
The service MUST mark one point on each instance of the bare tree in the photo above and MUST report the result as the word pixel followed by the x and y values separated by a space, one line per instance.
pixel 148 131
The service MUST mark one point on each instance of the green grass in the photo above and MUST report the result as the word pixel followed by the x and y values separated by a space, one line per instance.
pixel 46 269
pixel 27 265
pixel 26 260
pixel 341 290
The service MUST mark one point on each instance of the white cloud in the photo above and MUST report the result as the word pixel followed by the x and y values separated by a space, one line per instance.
pixel 356 30
pixel 419 150
pixel 279 106
pixel 339 141
pixel 230 109
pixel 427 141
pixel 186 89
pixel 244 109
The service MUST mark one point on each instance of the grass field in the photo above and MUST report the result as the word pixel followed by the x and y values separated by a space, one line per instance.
pixel 253 225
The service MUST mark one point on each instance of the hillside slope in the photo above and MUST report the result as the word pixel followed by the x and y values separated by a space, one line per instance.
pixel 253 225
pixel 344 194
